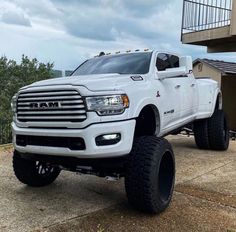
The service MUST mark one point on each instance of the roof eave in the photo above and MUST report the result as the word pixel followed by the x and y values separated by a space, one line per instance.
pixel 230 73
pixel 212 66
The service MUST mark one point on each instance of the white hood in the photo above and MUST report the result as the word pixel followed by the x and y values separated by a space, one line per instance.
pixel 92 82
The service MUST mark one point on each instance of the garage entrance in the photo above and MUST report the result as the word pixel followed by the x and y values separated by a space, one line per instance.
pixel 228 87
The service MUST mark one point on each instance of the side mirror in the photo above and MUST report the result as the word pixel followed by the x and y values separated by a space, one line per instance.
pixel 186 67
pixel 187 62
pixel 172 72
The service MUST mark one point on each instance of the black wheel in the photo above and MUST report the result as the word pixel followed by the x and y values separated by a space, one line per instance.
pixel 218 131
pixel 150 174
pixel 200 129
pixel 34 173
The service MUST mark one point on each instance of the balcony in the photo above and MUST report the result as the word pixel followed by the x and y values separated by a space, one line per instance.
pixel 210 23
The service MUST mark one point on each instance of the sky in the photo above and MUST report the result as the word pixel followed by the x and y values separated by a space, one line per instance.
pixel 67 32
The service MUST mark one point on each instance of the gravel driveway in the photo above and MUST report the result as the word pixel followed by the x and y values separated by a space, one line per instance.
pixel 204 198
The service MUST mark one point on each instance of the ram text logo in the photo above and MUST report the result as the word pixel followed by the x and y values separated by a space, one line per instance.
pixel 45 105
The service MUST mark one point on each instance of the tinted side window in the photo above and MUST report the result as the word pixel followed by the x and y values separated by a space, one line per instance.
pixel 163 62
pixel 174 60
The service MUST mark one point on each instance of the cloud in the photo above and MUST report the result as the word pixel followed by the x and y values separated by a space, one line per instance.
pixel 143 8
pixel 15 18
pixel 113 20
pixel 68 31
pixel 39 8
pixel 11 14
pixel 91 25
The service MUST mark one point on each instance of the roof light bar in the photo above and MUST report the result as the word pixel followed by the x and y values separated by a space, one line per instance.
pixel 119 52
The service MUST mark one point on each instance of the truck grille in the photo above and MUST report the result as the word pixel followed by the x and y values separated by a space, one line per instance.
pixel 50 106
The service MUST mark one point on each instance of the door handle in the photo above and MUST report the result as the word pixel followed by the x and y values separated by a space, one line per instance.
pixel 177 86
pixel 192 85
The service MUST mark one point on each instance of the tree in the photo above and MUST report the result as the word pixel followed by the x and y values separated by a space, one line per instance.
pixel 13 76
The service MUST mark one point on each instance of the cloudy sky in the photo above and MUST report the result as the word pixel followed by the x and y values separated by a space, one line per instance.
pixel 68 31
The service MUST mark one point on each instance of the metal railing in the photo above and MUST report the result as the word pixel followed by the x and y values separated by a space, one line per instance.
pixel 201 15
pixel 5 131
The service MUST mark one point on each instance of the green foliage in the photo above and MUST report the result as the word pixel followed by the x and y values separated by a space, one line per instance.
pixel 13 76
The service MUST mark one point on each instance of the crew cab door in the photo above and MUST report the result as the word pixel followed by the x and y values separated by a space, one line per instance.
pixel 188 97
pixel 168 91
pixel 179 90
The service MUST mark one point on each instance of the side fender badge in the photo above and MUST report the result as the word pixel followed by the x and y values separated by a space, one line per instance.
pixel 136 78
pixel 158 94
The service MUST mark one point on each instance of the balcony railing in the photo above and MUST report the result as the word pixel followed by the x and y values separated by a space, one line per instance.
pixel 201 15
pixel 5 131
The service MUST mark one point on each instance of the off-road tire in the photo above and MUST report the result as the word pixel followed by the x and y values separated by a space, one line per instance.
pixel 26 172
pixel 218 131
pixel 150 174
pixel 200 129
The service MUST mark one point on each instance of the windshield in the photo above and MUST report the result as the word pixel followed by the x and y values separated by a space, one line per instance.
pixel 133 63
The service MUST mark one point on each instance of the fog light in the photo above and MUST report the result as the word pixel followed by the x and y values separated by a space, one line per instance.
pixel 108 139
pixel 21 140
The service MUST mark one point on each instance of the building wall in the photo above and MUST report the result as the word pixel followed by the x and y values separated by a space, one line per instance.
pixel 229 97
pixel 203 70
pixel 228 87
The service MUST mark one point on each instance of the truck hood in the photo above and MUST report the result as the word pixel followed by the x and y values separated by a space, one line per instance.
pixel 101 82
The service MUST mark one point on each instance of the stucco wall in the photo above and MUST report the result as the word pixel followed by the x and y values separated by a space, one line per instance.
pixel 228 87
pixel 207 71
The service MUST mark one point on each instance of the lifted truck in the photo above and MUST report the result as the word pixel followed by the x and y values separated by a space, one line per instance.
pixel 109 119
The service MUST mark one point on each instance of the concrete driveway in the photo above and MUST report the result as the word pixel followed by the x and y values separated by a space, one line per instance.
pixel 204 198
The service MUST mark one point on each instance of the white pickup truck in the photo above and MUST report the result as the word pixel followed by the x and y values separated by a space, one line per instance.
pixel 109 119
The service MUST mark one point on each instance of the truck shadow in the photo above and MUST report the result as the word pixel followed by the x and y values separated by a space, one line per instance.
pixel 72 194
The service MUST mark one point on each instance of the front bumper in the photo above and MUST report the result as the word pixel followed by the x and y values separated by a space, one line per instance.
pixel 125 128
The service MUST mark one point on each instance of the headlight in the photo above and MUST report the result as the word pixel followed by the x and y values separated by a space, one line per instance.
pixel 108 105
pixel 13 104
